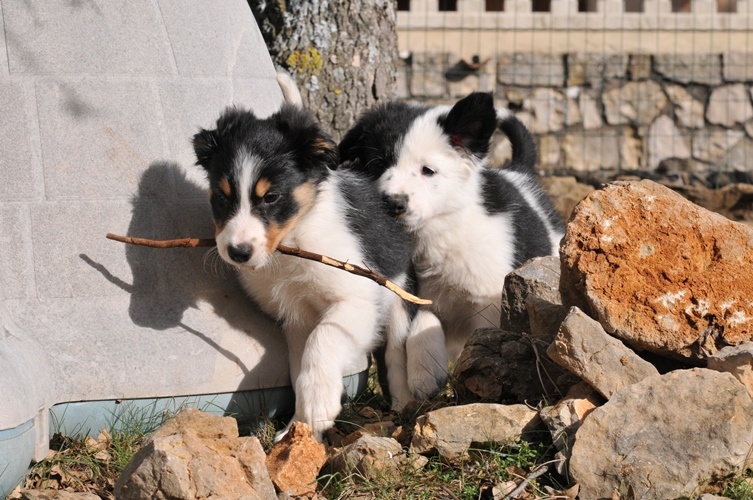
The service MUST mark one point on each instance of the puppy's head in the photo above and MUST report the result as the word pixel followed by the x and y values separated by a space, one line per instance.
pixel 421 158
pixel 264 175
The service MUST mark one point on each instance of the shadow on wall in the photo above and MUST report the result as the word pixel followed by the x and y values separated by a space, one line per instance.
pixel 168 282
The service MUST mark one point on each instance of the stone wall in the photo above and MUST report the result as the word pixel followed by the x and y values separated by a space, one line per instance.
pixel 690 114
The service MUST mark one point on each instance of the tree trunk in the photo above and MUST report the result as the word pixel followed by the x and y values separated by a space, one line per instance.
pixel 341 53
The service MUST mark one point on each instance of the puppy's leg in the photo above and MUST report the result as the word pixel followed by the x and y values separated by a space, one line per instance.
pixel 344 335
pixel 295 338
pixel 395 356
pixel 427 356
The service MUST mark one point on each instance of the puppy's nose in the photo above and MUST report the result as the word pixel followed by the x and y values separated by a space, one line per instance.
pixel 239 253
pixel 398 203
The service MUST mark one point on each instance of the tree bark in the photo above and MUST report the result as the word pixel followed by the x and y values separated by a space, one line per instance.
pixel 341 53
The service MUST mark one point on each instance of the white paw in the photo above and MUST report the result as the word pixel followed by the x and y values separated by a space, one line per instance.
pixel 427 356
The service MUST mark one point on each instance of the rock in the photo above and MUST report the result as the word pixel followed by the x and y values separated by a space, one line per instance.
pixel 294 462
pixel 676 286
pixel 689 111
pixel 703 68
pixel 734 201
pixel 729 105
pixel 584 348
pixel 665 141
pixel 634 103
pixel 640 66
pixel 737 360
pixel 713 145
pixel 737 66
pixel 565 417
pixel 665 437
pixel 549 150
pixel 197 455
pixel 590 112
pixel 531 69
pixel 591 150
pixel 450 431
pixel 548 108
pixel 371 457
pixel 565 192
pixel 504 367
pixel 593 68
pixel 538 277
pixel 56 495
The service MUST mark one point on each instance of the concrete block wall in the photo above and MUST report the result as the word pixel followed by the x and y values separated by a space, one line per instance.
pixel 99 103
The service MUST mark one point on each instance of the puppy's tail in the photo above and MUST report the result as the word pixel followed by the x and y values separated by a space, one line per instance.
pixel 524 154
pixel 290 92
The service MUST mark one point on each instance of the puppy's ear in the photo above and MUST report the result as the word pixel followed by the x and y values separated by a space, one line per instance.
pixel 324 150
pixel 471 123
pixel 205 147
pixel 348 146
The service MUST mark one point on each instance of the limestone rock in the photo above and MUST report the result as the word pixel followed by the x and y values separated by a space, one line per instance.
pixel 640 66
pixel 584 348
pixel 549 150
pixel 665 437
pixel 589 112
pixel 565 417
pixel 729 105
pixel 665 141
pixel 549 110
pixel 531 69
pixel 737 66
pixel 713 145
pixel 370 456
pixel 659 272
pixel 594 68
pixel 197 455
pixel 450 431
pixel 504 367
pixel 539 277
pixel 295 461
pixel 688 110
pixel 704 68
pixel 592 150
pixel 634 103
pixel 737 360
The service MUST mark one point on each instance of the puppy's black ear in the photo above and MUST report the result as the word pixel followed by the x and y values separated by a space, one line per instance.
pixel 348 146
pixel 323 149
pixel 471 123
pixel 205 146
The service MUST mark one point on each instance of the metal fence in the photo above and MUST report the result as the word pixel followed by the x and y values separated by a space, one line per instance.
pixel 645 86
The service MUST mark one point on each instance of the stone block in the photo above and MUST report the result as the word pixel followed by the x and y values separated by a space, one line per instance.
pixel 634 103
pixel 591 151
pixel 531 69
pixel 15 141
pixel 87 38
pixel 98 137
pixel 713 145
pixel 594 69
pixel 729 105
pixel 666 141
pixel 235 50
pixel 688 110
pixel 16 272
pixel 737 67
pixel 640 66
pixel 702 68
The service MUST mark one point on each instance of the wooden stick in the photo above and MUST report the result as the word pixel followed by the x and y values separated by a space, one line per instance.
pixel 296 252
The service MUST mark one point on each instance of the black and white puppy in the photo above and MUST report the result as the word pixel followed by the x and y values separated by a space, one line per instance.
pixel 472 225
pixel 272 181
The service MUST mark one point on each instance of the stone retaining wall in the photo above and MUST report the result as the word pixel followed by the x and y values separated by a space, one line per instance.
pixel 615 112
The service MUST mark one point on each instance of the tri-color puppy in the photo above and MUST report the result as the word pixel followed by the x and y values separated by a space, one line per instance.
pixel 272 181
pixel 472 224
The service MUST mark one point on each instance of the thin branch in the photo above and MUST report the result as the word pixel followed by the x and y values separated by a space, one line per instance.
pixel 530 477
pixel 295 252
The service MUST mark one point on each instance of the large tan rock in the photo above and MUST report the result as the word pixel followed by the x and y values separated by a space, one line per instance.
pixel 659 272
pixel 197 455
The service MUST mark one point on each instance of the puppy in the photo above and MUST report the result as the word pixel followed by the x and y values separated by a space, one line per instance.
pixel 471 225
pixel 272 182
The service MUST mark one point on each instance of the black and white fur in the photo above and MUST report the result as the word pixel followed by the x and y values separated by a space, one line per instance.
pixel 472 224
pixel 272 181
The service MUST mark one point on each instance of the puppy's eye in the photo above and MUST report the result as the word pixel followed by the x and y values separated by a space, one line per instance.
pixel 221 198
pixel 427 171
pixel 270 198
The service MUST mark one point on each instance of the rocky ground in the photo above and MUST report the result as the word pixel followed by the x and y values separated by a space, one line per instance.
pixel 631 351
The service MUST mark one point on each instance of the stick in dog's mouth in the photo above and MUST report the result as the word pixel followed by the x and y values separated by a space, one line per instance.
pixel 296 252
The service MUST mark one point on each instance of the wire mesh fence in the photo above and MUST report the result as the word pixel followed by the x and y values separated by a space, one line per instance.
pixel 651 87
